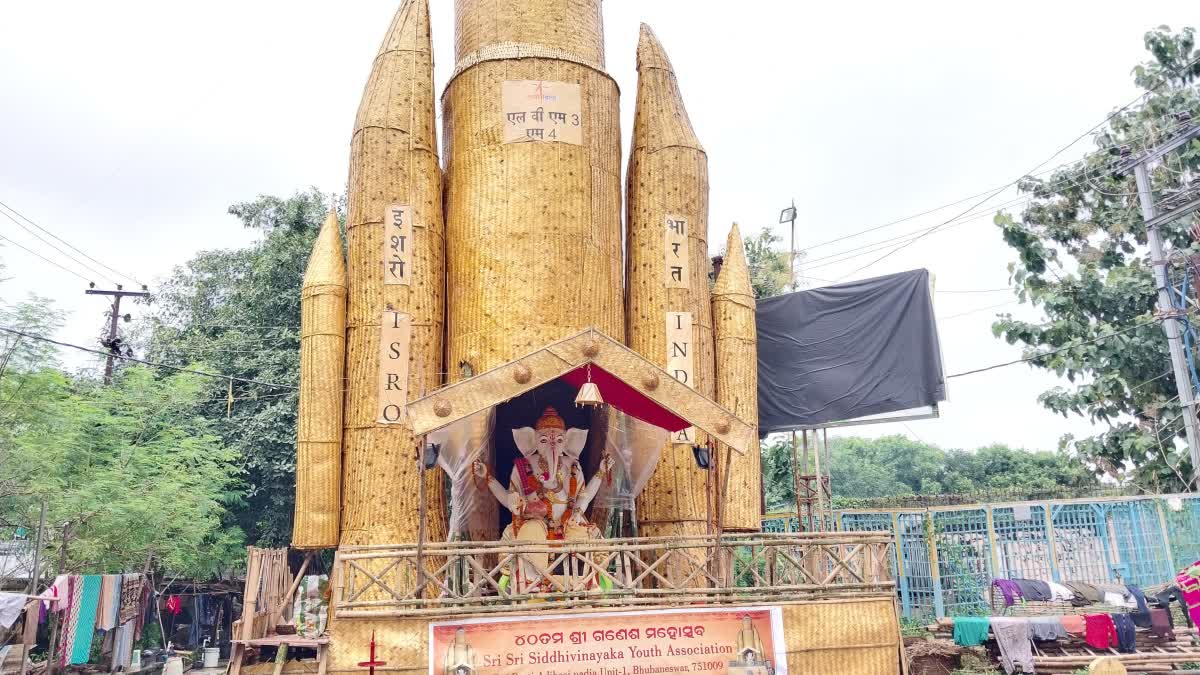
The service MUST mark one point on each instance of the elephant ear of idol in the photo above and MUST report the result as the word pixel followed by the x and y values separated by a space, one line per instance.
pixel 526 440
pixel 576 439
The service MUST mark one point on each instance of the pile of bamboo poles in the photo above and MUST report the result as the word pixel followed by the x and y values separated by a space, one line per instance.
pixel 1153 655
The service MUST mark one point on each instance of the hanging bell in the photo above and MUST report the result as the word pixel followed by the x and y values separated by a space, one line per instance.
pixel 589 394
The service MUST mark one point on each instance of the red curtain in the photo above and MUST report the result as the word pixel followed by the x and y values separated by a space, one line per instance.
pixel 625 398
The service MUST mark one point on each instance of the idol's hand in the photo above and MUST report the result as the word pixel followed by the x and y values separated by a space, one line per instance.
pixel 516 503
pixel 480 469
pixel 606 465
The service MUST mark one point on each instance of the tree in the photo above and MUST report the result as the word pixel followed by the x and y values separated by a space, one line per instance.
pixel 238 311
pixel 769 273
pixel 1082 258
pixel 896 466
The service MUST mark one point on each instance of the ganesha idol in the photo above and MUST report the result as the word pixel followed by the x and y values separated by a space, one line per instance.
pixel 547 495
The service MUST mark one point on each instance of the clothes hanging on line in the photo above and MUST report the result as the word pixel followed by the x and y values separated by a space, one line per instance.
pixel 1085 594
pixel 1126 633
pixel 1010 590
pixel 1074 624
pixel 1047 628
pixel 1015 640
pixel 1101 632
pixel 1060 592
pixel 970 631
pixel 131 597
pixel 12 605
pixel 1141 617
pixel 1161 624
pixel 1032 589
pixel 85 629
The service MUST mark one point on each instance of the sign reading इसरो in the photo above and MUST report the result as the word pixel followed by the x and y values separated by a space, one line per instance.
pixel 676 251
pixel 395 335
pixel 540 111
pixel 397 244
pixel 680 361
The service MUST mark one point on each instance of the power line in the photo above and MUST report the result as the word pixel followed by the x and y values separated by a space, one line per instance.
pixel 1058 152
pixel 1098 338
pixel 977 290
pixel 216 376
pixel 35 253
pixel 61 252
pixel 71 246
pixel 976 311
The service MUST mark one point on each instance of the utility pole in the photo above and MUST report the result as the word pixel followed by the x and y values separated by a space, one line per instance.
pixel 788 215
pixel 1166 306
pixel 113 344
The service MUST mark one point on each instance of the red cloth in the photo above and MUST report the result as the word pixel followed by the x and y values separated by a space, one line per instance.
pixel 174 605
pixel 1101 632
pixel 625 398
pixel 1189 588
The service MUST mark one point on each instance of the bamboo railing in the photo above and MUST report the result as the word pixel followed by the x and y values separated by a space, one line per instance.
pixel 644 573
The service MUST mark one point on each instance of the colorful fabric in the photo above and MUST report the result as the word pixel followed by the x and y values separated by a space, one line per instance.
pixel 1126 633
pixel 310 611
pixel 1015 640
pixel 85 623
pixel 174 605
pixel 1074 624
pixel 122 646
pixel 1010 590
pixel 74 593
pixel 109 605
pixel 1101 632
pixel 970 631
pixel 131 597
pixel 1188 582
pixel 1047 628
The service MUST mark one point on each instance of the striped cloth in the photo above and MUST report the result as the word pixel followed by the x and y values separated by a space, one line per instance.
pixel 85 624
pixel 70 606
pixel 131 598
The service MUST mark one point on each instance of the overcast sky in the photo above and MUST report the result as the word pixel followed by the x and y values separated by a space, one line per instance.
pixel 127 128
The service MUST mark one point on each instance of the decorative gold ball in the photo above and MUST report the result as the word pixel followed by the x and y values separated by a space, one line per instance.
pixel 591 349
pixel 650 382
pixel 723 427
pixel 522 374
pixel 441 407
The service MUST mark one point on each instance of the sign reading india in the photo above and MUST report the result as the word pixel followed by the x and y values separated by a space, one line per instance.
pixel 395 334
pixel 676 252
pixel 734 640
pixel 680 361
pixel 539 111
pixel 397 244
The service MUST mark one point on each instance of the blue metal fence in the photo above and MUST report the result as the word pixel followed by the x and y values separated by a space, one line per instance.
pixel 946 556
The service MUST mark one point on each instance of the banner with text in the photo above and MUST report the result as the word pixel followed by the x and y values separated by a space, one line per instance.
pixel 733 640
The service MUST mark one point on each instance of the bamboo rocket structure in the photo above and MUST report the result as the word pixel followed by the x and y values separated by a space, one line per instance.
pixel 736 341
pixel 534 225
pixel 668 178
pixel 393 161
pixel 322 363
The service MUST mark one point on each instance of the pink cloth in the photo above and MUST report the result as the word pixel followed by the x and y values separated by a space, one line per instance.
pixel 1189 587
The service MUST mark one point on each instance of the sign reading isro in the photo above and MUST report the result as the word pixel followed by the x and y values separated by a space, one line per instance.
pixel 735 640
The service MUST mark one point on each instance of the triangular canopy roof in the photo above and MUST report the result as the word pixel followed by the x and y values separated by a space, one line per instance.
pixel 627 382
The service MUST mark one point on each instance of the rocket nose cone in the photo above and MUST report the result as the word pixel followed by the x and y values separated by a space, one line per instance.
pixel 650 52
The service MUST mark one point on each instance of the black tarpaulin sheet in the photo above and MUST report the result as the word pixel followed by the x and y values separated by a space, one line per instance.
pixel 847 351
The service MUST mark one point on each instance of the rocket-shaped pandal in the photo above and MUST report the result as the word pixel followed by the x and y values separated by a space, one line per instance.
pixel 393 163
pixel 322 362
pixel 736 338
pixel 667 272
pixel 533 222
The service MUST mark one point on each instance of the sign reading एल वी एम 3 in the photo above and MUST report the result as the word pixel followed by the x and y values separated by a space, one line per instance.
pixel 535 111
pixel 733 640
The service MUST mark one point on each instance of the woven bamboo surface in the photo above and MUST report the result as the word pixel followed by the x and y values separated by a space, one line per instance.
pixel 322 363
pixel 847 637
pixel 668 174
pixel 572 26
pixel 533 229
pixel 393 160
pixel 402 643
pixel 736 341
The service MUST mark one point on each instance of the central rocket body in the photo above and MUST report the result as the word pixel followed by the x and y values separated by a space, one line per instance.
pixel 533 202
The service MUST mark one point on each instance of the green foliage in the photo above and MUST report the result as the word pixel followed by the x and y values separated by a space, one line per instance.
pixel 769 274
pixel 1082 258
pixel 891 466
pixel 238 311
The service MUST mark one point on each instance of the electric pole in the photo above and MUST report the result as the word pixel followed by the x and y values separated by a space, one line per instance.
pixel 788 215
pixel 113 343
pixel 1172 210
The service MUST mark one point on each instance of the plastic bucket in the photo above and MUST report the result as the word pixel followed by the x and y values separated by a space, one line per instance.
pixel 211 656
